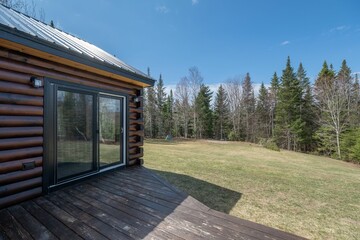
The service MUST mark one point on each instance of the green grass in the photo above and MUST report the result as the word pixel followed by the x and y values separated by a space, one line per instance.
pixel 311 196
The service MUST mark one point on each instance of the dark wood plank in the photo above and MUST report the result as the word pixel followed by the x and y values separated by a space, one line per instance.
pixel 51 223
pixel 134 198
pixel 123 200
pixel 12 228
pixel 138 177
pixel 134 232
pixel 79 208
pixel 143 212
pixel 110 210
pixel 205 228
pixel 69 220
pixel 135 192
pixel 32 226
pixel 85 194
pixel 152 190
pixel 161 197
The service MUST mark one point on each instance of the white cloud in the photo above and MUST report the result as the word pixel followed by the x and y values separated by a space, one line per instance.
pixel 285 43
pixel 194 2
pixel 340 28
pixel 162 9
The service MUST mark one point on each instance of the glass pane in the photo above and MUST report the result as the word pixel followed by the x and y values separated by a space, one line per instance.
pixel 110 130
pixel 74 133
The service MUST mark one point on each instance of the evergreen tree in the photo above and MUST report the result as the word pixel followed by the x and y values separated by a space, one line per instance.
pixel 344 76
pixel 288 119
pixel 307 111
pixel 221 114
pixel 355 104
pixel 248 106
pixel 263 114
pixel 150 116
pixel 168 114
pixel 205 115
pixel 273 94
pixel 160 101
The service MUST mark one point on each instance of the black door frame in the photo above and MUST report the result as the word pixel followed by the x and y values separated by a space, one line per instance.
pixel 51 87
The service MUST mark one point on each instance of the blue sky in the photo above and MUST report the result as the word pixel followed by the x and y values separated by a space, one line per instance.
pixel 223 38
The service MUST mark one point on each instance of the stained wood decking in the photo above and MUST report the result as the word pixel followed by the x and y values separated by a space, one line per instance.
pixel 126 204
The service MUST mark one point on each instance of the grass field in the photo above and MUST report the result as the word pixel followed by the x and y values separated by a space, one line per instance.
pixel 311 196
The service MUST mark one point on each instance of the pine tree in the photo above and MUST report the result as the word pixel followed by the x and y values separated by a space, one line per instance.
pixel 221 114
pixel 273 92
pixel 150 116
pixel 263 125
pixel 168 114
pixel 160 101
pixel 248 106
pixel 355 104
pixel 288 120
pixel 307 111
pixel 205 115
pixel 344 76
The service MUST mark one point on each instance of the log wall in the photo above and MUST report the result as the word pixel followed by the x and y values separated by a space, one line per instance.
pixel 22 120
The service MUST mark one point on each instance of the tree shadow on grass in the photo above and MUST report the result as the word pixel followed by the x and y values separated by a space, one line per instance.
pixel 213 196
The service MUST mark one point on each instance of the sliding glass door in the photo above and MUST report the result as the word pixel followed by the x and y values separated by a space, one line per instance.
pixel 111 130
pixel 75 137
pixel 85 132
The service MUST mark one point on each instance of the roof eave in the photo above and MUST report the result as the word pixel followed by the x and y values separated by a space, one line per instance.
pixel 28 40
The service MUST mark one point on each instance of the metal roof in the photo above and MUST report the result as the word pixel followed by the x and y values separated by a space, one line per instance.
pixel 57 40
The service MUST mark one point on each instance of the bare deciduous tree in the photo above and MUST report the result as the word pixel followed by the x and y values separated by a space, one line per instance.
pixel 194 81
pixel 182 104
pixel 333 99
pixel 234 96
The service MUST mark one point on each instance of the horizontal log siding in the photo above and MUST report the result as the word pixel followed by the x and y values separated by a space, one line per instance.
pixel 21 137
pixel 136 130
pixel 21 120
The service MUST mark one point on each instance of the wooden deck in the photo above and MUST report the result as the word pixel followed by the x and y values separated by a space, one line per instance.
pixel 125 204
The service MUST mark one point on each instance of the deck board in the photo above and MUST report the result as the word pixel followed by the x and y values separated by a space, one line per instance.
pixel 134 203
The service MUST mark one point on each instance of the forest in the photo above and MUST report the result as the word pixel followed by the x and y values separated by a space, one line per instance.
pixel 292 113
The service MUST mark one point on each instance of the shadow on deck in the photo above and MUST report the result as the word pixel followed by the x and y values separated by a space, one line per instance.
pixel 128 204
pixel 213 196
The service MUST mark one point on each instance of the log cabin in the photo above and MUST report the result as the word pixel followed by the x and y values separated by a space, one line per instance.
pixel 68 109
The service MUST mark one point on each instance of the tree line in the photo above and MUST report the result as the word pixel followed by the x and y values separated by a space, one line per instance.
pixel 292 113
